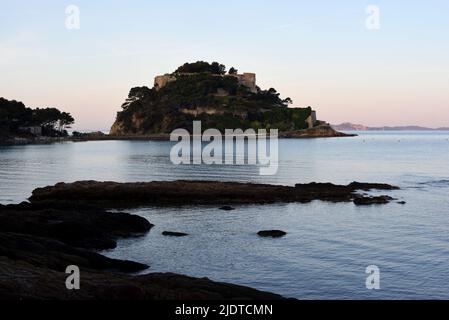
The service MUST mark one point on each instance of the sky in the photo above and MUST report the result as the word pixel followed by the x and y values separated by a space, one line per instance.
pixel 332 55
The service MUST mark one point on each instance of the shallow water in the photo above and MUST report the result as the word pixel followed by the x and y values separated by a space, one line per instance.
pixel 328 245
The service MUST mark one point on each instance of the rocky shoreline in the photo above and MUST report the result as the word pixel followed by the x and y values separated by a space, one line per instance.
pixel 321 131
pixel 39 241
pixel 66 224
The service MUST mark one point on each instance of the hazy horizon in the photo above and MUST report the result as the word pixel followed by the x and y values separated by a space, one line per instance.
pixel 320 54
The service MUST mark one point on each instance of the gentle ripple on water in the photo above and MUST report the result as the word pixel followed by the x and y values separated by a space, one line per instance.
pixel 328 245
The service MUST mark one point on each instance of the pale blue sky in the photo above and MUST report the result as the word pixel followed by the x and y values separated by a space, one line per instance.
pixel 318 52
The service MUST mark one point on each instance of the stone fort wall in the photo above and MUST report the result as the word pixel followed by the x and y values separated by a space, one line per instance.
pixel 246 79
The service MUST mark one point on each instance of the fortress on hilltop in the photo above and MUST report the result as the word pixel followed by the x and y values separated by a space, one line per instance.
pixel 246 79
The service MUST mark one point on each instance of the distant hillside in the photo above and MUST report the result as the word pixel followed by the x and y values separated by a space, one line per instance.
pixel 206 92
pixel 358 127
pixel 408 128
pixel 349 127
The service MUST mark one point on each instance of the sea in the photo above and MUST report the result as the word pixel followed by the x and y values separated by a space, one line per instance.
pixel 330 248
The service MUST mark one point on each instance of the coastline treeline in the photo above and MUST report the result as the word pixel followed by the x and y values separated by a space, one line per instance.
pixel 17 119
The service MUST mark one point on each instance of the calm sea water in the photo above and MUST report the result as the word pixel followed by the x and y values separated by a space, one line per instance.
pixel 328 246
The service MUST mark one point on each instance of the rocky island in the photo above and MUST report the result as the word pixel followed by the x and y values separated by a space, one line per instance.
pixel 219 99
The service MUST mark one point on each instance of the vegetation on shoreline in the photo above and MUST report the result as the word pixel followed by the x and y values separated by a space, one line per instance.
pixel 16 119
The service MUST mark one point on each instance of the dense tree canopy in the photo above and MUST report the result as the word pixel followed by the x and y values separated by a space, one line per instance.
pixel 202 66
pixel 14 115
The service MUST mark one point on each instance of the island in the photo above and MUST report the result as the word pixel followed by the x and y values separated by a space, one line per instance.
pixel 220 99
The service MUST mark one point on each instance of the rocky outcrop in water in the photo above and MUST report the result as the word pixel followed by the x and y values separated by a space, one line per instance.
pixel 227 208
pixel 174 234
pixel 320 131
pixel 175 193
pixel 365 201
pixel 272 233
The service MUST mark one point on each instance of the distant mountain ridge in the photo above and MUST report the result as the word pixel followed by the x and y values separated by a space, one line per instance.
pixel 347 126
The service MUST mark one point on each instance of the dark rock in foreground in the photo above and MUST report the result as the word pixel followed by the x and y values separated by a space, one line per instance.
pixel 39 241
pixel 79 226
pixel 174 234
pixel 174 193
pixel 21 280
pixel 56 255
pixel 51 236
pixel 272 233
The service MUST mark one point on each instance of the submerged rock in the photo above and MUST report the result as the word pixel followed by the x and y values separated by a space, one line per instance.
pixel 227 208
pixel 364 201
pixel 272 233
pixel 174 234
